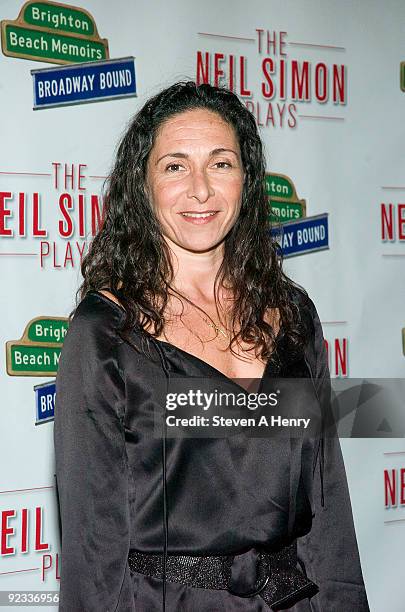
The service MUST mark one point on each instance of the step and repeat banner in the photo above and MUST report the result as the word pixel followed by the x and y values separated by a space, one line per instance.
pixel 326 84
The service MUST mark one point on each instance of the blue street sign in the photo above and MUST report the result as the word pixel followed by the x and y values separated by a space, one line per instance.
pixel 44 402
pixel 82 83
pixel 303 236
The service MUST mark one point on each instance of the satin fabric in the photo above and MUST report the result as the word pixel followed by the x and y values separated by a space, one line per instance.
pixel 225 495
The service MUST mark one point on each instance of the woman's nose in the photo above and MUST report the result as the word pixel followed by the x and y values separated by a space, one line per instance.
pixel 200 186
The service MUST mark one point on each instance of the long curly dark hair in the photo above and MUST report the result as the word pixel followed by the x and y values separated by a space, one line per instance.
pixel 130 257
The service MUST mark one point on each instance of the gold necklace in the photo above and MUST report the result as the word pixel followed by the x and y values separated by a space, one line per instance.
pixel 210 323
pixel 216 327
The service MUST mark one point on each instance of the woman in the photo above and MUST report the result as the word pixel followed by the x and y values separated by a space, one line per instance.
pixel 184 280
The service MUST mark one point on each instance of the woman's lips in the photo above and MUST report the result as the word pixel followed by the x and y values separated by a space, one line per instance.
pixel 199 218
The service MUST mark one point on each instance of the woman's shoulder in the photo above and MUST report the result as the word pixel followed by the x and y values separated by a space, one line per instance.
pixel 302 300
pixel 96 317
pixel 90 358
pixel 100 306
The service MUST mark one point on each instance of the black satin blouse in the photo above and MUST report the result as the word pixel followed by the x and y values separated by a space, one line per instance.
pixel 225 495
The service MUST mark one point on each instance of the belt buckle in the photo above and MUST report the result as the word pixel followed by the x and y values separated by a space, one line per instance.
pixel 264 579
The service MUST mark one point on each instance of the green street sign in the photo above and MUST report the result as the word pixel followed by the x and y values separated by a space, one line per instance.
pixel 37 352
pixel 63 18
pixel 34 360
pixel 55 33
pixel 47 330
pixel 29 43
pixel 279 186
pixel 281 212
pixel 402 76
pixel 284 203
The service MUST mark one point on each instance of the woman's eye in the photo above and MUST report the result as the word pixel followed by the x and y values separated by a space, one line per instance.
pixel 173 165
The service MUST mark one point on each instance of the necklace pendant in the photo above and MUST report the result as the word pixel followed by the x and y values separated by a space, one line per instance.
pixel 217 329
pixel 221 331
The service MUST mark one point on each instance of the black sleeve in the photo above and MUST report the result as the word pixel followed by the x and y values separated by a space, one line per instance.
pixel 329 551
pixel 92 469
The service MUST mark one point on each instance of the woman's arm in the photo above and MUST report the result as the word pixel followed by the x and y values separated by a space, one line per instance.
pixel 91 468
pixel 329 552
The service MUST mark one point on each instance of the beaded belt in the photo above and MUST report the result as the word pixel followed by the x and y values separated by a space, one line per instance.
pixel 273 576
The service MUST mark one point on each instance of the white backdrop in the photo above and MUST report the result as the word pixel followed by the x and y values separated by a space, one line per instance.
pixel 344 159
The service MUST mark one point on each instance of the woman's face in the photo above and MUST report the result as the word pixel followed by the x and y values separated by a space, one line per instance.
pixel 195 179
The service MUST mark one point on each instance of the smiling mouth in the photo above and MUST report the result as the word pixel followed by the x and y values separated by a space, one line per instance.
pixel 199 215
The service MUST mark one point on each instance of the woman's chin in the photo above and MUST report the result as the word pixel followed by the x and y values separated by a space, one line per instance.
pixel 195 244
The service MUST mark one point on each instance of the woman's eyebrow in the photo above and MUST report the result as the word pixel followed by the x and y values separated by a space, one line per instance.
pixel 185 155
